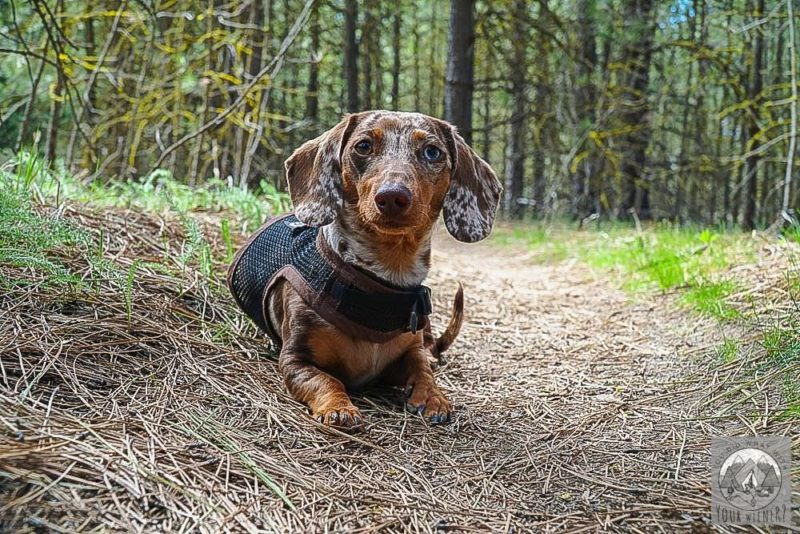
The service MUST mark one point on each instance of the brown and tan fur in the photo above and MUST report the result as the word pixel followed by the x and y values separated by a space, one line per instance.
pixel 333 183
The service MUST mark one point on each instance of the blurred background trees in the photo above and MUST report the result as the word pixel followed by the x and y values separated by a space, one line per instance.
pixel 680 109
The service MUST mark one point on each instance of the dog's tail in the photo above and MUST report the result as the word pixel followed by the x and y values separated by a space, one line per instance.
pixel 438 346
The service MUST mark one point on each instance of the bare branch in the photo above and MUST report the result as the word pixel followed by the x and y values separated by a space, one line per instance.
pixel 271 69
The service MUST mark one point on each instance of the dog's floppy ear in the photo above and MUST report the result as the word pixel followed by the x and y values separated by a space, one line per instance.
pixel 471 200
pixel 314 174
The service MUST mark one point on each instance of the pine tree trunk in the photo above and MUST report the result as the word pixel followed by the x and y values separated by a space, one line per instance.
pixel 396 56
pixel 351 54
pixel 637 54
pixel 515 167
pixel 583 193
pixel 487 115
pixel 312 89
pixel 55 117
pixel 415 55
pixel 433 55
pixel 367 57
pixel 700 175
pixel 459 81
pixel 787 180
pixel 751 161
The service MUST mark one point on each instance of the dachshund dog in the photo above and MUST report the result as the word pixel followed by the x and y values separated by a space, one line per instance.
pixel 375 184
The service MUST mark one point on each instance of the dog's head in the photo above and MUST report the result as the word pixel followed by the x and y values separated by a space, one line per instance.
pixel 394 172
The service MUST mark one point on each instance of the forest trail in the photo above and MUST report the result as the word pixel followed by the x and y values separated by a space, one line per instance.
pixel 584 404
pixel 577 409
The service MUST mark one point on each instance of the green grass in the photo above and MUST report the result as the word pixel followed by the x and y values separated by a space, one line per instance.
pixel 546 242
pixel 661 257
pixel 792 233
pixel 28 238
pixel 127 290
pixel 38 246
pixel 782 343
pixel 159 193
pixel 728 351
pixel 709 298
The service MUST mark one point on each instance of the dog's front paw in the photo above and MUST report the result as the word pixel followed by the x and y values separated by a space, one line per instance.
pixel 430 404
pixel 346 417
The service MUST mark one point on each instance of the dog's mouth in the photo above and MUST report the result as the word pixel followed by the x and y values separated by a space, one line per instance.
pixel 383 224
pixel 391 226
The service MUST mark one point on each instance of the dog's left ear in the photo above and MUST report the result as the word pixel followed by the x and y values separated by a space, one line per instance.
pixel 314 173
pixel 471 200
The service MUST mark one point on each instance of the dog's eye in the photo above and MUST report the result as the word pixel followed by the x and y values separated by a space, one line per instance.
pixel 432 153
pixel 363 147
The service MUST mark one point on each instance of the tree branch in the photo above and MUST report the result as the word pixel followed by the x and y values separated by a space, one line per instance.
pixel 271 69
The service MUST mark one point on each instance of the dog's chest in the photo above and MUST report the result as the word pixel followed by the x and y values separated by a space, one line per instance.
pixel 356 362
pixel 374 358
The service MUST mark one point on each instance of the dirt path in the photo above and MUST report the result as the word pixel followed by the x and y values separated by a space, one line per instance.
pixel 573 394
pixel 576 409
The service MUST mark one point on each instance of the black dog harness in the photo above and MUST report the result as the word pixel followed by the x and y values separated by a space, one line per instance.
pixel 357 303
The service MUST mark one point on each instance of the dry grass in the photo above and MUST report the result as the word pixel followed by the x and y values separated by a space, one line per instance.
pixel 577 410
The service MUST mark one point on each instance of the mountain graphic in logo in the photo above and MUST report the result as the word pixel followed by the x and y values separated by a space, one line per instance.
pixel 750 479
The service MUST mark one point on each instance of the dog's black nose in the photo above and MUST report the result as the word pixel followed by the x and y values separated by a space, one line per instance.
pixel 393 200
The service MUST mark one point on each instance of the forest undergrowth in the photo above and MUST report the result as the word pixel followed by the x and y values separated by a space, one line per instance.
pixel 134 395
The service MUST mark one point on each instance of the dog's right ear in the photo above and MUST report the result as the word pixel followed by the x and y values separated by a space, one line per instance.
pixel 474 193
pixel 314 173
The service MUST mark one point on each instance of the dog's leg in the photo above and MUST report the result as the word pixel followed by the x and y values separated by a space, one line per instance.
pixel 324 394
pixel 413 372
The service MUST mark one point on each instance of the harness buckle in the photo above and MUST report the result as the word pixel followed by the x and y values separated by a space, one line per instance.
pixel 413 322
pixel 422 306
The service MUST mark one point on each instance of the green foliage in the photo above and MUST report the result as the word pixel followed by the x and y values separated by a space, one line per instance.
pixel 792 232
pixel 196 249
pixel 160 193
pixel 128 289
pixel 782 343
pixel 544 241
pixel 27 236
pixel 709 298
pixel 660 257
pixel 29 168
pixel 225 232
pixel 666 258
pixel 728 351
pixel 140 85
pixel 37 239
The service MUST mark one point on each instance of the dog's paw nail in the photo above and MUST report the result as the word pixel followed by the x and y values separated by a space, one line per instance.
pixel 342 418
pixel 416 410
pixel 440 418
